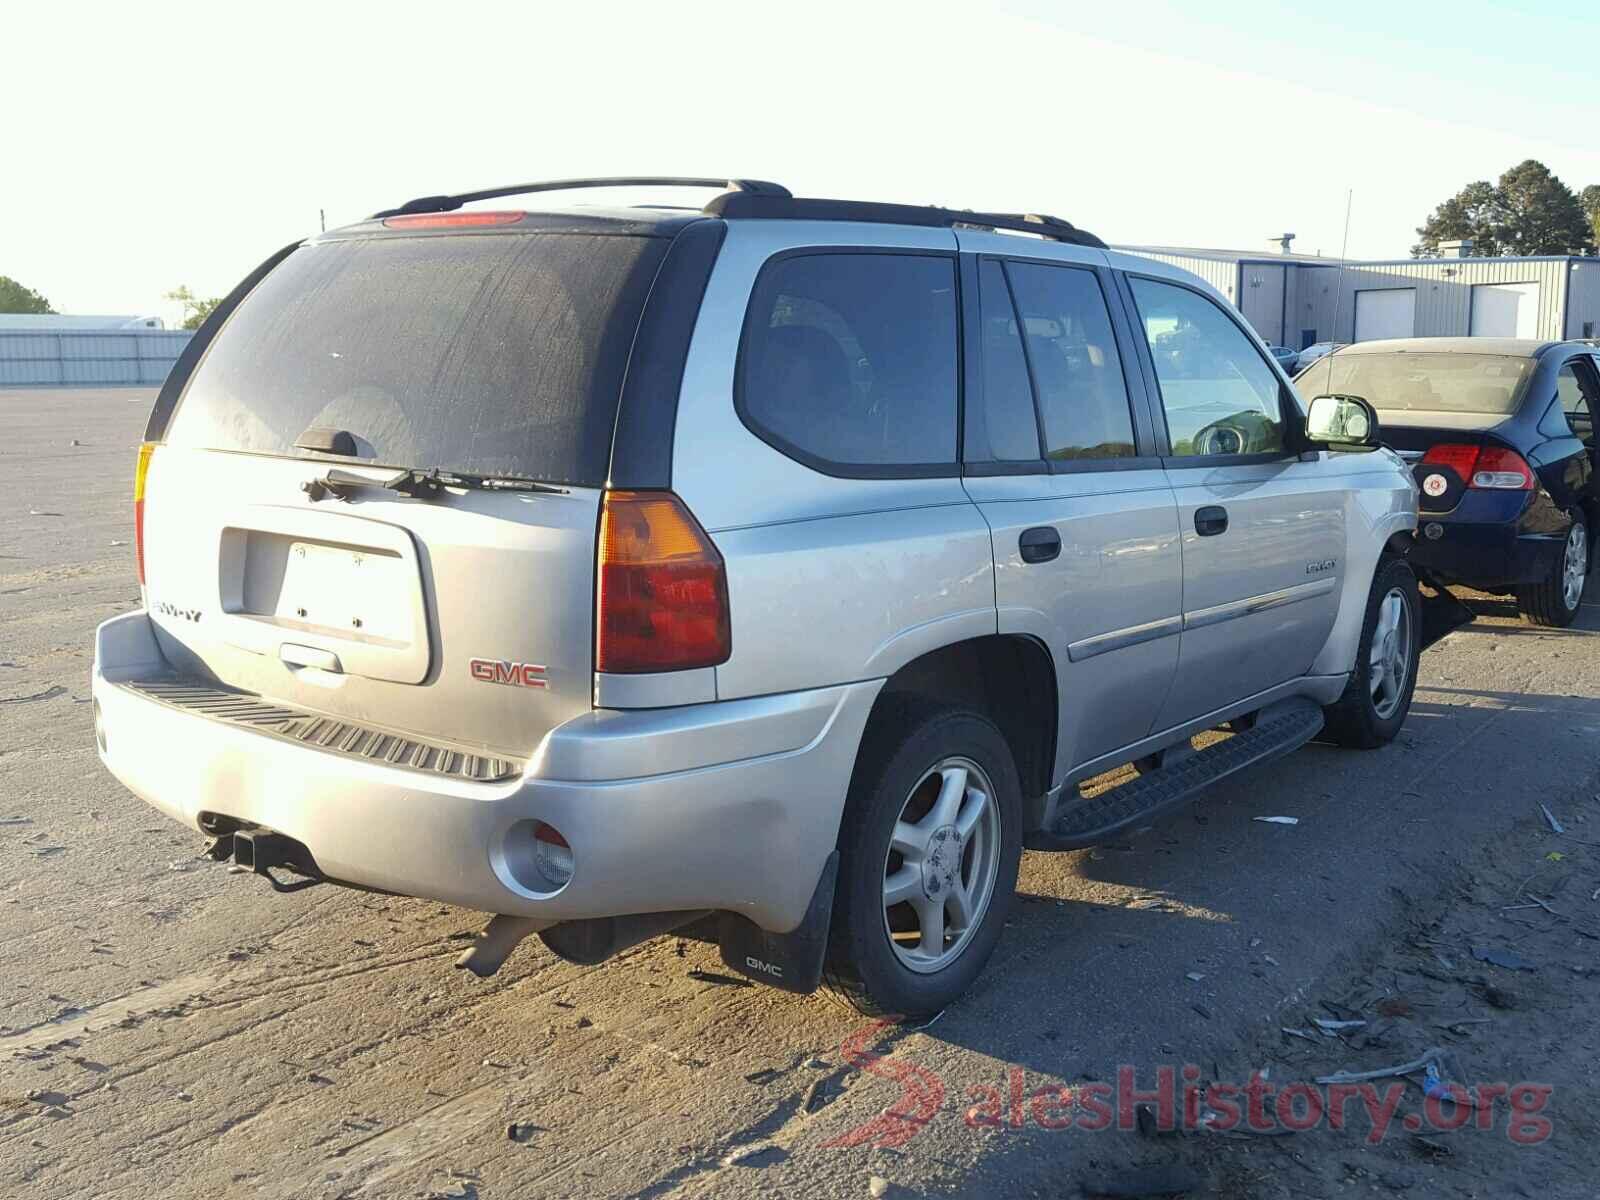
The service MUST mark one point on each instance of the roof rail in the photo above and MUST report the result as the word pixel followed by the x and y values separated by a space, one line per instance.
pixel 430 204
pixel 786 207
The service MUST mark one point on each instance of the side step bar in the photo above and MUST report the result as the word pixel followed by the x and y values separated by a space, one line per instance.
pixel 1278 729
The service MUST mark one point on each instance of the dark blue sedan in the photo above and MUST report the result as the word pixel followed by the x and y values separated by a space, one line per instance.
pixel 1501 432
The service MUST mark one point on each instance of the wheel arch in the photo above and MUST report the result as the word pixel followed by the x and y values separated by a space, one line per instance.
pixel 1009 678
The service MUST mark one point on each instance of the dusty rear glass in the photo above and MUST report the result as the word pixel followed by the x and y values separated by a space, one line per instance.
pixel 494 354
pixel 1421 382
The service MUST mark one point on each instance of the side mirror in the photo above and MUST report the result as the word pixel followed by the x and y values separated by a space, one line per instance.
pixel 1346 423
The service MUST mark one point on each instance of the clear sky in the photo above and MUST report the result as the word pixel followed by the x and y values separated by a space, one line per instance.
pixel 151 144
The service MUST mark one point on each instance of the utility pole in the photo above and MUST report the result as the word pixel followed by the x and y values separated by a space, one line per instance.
pixel 322 219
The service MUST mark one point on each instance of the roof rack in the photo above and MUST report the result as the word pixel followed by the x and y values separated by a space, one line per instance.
pixel 787 207
pixel 757 198
pixel 431 204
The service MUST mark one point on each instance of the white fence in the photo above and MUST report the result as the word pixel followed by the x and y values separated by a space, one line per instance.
pixel 89 356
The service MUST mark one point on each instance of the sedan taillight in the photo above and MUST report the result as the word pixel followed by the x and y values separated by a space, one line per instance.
pixel 1489 467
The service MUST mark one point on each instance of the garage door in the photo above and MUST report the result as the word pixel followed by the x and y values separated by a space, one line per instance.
pixel 1505 310
pixel 1389 313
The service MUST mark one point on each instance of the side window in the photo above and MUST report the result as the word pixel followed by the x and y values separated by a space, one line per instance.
pixel 1009 423
pixel 1573 388
pixel 1219 395
pixel 850 359
pixel 1072 353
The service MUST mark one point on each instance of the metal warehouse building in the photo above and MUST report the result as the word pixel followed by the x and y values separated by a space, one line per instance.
pixel 1297 299
pixel 75 350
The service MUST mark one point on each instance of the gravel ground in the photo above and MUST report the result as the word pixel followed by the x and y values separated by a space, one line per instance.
pixel 167 1028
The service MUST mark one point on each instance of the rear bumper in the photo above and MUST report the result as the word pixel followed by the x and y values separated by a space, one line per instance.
pixel 1486 542
pixel 732 806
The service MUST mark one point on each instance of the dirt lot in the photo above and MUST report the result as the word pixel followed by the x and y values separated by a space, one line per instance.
pixel 168 1028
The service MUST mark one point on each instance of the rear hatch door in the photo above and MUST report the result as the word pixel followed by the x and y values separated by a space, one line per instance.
pixel 459 608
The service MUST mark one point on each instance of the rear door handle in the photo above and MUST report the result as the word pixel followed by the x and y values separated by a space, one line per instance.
pixel 1039 544
pixel 1210 520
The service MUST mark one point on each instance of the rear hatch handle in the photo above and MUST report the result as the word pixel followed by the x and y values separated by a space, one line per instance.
pixel 419 485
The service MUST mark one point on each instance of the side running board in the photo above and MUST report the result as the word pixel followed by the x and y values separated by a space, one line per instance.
pixel 1278 729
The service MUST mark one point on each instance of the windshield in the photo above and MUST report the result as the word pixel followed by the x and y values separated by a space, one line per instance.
pixel 490 354
pixel 1418 381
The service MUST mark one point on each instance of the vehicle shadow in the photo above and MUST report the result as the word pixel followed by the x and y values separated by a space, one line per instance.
pixel 1174 944
pixel 1504 608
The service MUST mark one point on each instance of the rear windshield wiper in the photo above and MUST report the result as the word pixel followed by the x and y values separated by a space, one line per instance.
pixel 419 485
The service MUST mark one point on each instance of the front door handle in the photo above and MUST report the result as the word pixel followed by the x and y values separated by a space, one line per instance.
pixel 1210 520
pixel 1039 544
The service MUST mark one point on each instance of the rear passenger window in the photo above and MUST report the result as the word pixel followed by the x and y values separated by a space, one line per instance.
pixel 1575 401
pixel 1072 353
pixel 1009 423
pixel 850 359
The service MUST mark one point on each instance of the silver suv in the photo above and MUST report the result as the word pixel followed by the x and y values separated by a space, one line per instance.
pixel 773 572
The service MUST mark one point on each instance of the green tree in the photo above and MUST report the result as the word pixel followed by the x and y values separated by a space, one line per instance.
pixel 1542 215
pixel 195 310
pixel 1474 212
pixel 1589 198
pixel 15 298
pixel 1527 211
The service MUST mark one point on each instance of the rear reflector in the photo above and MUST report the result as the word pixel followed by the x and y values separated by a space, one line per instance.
pixel 662 594
pixel 1489 467
pixel 552 856
pixel 140 470
pixel 454 220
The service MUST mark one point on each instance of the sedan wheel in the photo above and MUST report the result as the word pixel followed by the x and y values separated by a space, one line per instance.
pixel 1555 600
pixel 1575 567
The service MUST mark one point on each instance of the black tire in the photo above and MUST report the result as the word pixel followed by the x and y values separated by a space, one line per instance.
pixel 1545 603
pixel 903 745
pixel 1357 720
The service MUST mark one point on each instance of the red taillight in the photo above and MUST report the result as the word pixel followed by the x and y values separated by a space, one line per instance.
pixel 662 594
pixel 1484 466
pixel 140 470
pixel 452 220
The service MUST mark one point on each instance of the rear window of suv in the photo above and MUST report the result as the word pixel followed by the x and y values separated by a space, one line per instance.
pixel 492 354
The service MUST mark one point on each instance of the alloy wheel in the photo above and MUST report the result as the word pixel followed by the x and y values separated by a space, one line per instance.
pixel 1389 661
pixel 1575 567
pixel 939 873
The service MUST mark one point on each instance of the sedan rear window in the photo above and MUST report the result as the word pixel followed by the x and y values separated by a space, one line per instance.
pixel 492 354
pixel 1411 381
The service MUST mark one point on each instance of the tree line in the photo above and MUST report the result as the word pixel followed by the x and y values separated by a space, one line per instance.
pixel 18 298
pixel 1527 211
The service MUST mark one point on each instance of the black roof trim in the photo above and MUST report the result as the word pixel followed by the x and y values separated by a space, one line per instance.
pixel 734 205
pixel 431 204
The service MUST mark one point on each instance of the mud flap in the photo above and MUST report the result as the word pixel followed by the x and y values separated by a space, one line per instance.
pixel 791 961
pixel 1442 613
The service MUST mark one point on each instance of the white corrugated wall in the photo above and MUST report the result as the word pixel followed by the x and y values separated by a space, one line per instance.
pixel 1444 291
pixel 1583 298
pixel 1220 273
